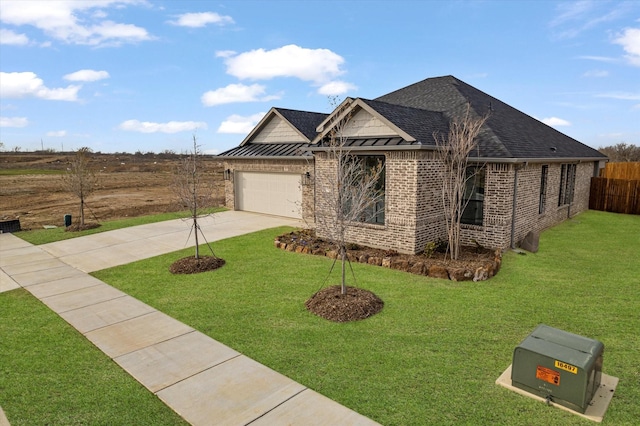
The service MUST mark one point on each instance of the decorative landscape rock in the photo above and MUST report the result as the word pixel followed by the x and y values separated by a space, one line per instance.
pixel 460 274
pixel 418 268
pixel 400 264
pixel 374 261
pixel 437 271
pixel 530 242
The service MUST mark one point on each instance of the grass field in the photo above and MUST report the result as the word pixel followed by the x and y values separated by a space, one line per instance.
pixel 430 357
pixel 435 351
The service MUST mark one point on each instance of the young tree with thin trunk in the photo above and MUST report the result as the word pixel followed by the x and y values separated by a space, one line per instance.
pixel 350 192
pixel 80 180
pixel 453 151
pixel 194 191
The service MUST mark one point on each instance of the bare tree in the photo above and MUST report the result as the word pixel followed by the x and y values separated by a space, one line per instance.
pixel 453 151
pixel 350 191
pixel 194 191
pixel 622 152
pixel 80 180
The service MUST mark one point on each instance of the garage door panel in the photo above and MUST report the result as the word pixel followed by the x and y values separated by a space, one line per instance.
pixel 271 193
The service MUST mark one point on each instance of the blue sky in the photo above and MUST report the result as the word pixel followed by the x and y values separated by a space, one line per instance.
pixel 143 75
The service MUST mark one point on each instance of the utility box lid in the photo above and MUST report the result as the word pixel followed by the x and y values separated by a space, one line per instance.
pixel 560 366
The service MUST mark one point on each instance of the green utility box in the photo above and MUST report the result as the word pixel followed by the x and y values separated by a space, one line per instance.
pixel 561 367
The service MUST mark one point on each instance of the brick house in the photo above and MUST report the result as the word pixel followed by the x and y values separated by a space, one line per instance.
pixel 529 175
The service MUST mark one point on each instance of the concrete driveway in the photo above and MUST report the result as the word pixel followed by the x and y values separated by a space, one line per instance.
pixel 104 250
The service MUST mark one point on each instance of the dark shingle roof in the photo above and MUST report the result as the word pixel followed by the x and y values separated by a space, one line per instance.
pixel 305 121
pixel 426 107
pixel 419 123
pixel 508 133
pixel 261 150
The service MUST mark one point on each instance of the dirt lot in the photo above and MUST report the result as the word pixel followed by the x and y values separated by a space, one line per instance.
pixel 128 185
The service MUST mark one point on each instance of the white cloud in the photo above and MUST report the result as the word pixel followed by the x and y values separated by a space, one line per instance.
pixel 316 65
pixel 236 93
pixel 598 58
pixel 197 20
pixel 13 122
pixel 11 38
pixel 87 75
pixel 57 133
pixel 626 96
pixel 240 125
pixel 630 42
pixel 169 127
pixel 555 122
pixel 337 87
pixel 576 17
pixel 225 53
pixel 74 22
pixel 596 73
pixel 25 84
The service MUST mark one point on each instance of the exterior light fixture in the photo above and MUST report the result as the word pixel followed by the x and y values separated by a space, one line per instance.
pixel 306 178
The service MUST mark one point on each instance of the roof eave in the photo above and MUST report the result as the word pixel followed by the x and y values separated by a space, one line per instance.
pixel 267 157
pixel 375 148
pixel 263 122
pixel 344 108
pixel 535 160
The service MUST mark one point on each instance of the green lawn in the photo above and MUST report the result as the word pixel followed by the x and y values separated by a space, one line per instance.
pixel 44 236
pixel 430 357
pixel 435 351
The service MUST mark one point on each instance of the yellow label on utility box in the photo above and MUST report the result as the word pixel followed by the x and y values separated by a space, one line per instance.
pixel 566 367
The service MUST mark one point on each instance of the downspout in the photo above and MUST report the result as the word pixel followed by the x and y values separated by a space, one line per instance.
pixel 315 206
pixel 514 204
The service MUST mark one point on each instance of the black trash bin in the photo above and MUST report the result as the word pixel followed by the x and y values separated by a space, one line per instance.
pixel 67 220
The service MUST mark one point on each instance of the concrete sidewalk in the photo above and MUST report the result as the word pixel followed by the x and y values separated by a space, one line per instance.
pixel 201 379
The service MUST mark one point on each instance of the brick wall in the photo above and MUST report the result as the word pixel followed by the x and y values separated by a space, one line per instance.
pixel 274 166
pixel 495 231
pixel 413 213
pixel 498 204
pixel 413 201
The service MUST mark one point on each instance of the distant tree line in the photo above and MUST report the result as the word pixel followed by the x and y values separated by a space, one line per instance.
pixel 622 152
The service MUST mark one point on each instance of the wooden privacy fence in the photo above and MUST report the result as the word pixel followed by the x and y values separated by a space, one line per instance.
pixel 615 195
pixel 621 171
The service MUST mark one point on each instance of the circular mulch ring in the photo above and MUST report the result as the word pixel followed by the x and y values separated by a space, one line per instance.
pixel 191 265
pixel 358 304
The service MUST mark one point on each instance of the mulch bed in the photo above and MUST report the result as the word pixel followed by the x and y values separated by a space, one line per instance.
pixel 474 264
pixel 191 265
pixel 356 304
